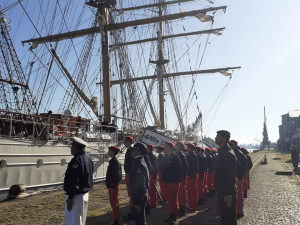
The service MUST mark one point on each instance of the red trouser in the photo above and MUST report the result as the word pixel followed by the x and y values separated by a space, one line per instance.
pixel 192 192
pixel 210 181
pixel 200 187
pixel 114 202
pixel 172 197
pixel 182 193
pixel 205 185
pixel 152 195
pixel 240 198
pixel 127 186
pixel 162 187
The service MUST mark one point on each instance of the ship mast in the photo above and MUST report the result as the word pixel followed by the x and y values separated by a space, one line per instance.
pixel 160 65
pixel 103 7
pixel 103 23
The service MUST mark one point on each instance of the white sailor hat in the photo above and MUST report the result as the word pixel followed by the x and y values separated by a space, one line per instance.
pixel 79 141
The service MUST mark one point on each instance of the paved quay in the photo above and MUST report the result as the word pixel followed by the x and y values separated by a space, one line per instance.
pixel 272 199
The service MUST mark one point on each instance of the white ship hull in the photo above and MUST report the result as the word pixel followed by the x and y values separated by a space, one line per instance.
pixel 23 159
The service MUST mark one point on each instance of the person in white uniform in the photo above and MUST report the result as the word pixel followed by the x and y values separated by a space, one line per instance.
pixel 77 184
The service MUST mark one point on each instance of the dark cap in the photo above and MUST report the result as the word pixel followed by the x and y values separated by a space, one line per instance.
pixel 139 147
pixel 224 133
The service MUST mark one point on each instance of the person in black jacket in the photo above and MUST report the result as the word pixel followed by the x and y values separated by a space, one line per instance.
pixel 192 162
pixel 247 177
pixel 153 178
pixel 241 173
pixel 210 175
pixel 295 157
pixel 225 178
pixel 161 161
pixel 77 184
pixel 127 166
pixel 205 175
pixel 182 186
pixel 171 175
pixel 112 181
pixel 201 170
pixel 139 183
pixel 151 174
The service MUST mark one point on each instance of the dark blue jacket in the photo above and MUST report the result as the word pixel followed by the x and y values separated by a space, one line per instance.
pixel 161 162
pixel 113 173
pixel 225 172
pixel 249 160
pixel 149 165
pixel 138 180
pixel 205 162
pixel 79 175
pixel 184 165
pixel 153 162
pixel 210 164
pixel 128 161
pixel 201 164
pixel 241 164
pixel 192 162
pixel 172 172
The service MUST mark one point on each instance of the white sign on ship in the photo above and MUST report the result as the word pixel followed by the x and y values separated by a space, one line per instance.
pixel 156 139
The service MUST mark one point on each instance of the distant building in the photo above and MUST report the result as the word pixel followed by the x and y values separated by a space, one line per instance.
pixel 289 130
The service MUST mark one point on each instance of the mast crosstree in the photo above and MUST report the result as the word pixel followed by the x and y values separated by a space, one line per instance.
pixel 106 24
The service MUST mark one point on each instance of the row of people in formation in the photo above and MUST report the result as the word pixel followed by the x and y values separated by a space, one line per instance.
pixel 185 174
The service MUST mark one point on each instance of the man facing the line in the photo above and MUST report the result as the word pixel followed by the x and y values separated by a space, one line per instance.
pixel 225 179
pixel 77 184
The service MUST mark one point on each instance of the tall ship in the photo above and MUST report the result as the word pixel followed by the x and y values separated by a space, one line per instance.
pixel 99 70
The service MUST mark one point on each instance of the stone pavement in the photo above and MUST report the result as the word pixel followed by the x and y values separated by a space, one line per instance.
pixel 272 199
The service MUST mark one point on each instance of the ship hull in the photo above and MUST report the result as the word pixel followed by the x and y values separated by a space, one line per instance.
pixel 41 165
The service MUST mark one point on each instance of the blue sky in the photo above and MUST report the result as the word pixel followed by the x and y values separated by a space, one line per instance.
pixel 263 38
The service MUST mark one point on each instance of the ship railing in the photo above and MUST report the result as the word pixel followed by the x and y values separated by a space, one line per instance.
pixel 45 128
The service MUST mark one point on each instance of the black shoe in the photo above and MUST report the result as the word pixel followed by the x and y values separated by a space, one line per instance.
pixel 173 219
pixel 238 216
pixel 189 210
pixel 129 216
pixel 147 210
pixel 167 220
pixel 116 222
pixel 182 211
pixel 210 194
pixel 200 201
pixel 245 194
